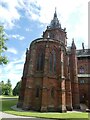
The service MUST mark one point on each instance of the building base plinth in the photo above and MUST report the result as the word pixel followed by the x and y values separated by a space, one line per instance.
pixel 61 109
pixel 19 104
pixel 51 109
pixel 69 108
pixel 76 106
pixel 26 108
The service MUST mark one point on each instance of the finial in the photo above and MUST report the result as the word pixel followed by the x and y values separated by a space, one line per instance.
pixel 72 40
pixel 83 47
pixel 55 9
pixel 55 14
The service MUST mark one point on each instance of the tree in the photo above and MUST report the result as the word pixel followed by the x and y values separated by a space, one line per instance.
pixel 5 89
pixel 3 48
pixel 17 88
pixel 1 87
pixel 9 83
pixel 8 88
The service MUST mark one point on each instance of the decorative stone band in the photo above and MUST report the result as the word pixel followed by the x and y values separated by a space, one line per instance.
pixel 84 75
pixel 49 40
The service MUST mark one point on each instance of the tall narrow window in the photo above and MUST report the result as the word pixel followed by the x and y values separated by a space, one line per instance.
pixel 37 92
pixel 53 61
pixel 40 61
pixel 52 92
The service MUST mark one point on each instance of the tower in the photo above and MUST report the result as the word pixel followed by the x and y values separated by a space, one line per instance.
pixel 55 31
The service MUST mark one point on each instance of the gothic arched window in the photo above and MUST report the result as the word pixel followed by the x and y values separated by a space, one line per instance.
pixel 37 91
pixel 40 61
pixel 52 92
pixel 53 61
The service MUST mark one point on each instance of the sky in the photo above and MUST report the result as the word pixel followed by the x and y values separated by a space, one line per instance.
pixel 25 21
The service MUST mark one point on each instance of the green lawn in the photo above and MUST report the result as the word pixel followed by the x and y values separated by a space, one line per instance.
pixel 6 107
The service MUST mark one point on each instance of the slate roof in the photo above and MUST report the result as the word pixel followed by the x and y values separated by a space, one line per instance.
pixel 80 53
pixel 83 53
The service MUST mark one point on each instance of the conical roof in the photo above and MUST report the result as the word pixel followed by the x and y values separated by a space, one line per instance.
pixel 55 22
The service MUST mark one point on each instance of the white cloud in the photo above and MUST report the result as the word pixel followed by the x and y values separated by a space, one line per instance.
pixel 28 30
pixel 16 36
pixel 9 13
pixel 42 11
pixel 12 50
pixel 72 14
pixel 13 70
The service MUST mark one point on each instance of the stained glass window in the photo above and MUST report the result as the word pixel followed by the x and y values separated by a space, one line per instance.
pixel 53 61
pixel 37 91
pixel 40 61
pixel 52 92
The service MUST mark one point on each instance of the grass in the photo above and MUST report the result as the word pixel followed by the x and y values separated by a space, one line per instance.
pixel 6 107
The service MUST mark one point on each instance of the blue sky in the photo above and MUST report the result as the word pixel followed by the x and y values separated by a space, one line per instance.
pixel 25 20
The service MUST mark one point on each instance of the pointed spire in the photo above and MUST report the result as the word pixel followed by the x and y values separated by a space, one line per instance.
pixel 55 22
pixel 26 50
pixel 55 14
pixel 73 44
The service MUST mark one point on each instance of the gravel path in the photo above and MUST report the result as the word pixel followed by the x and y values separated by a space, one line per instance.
pixel 6 116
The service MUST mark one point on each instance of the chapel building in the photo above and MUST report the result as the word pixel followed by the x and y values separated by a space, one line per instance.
pixel 54 78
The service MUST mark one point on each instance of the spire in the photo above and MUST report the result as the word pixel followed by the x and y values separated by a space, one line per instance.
pixel 73 44
pixel 55 22
pixel 55 14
